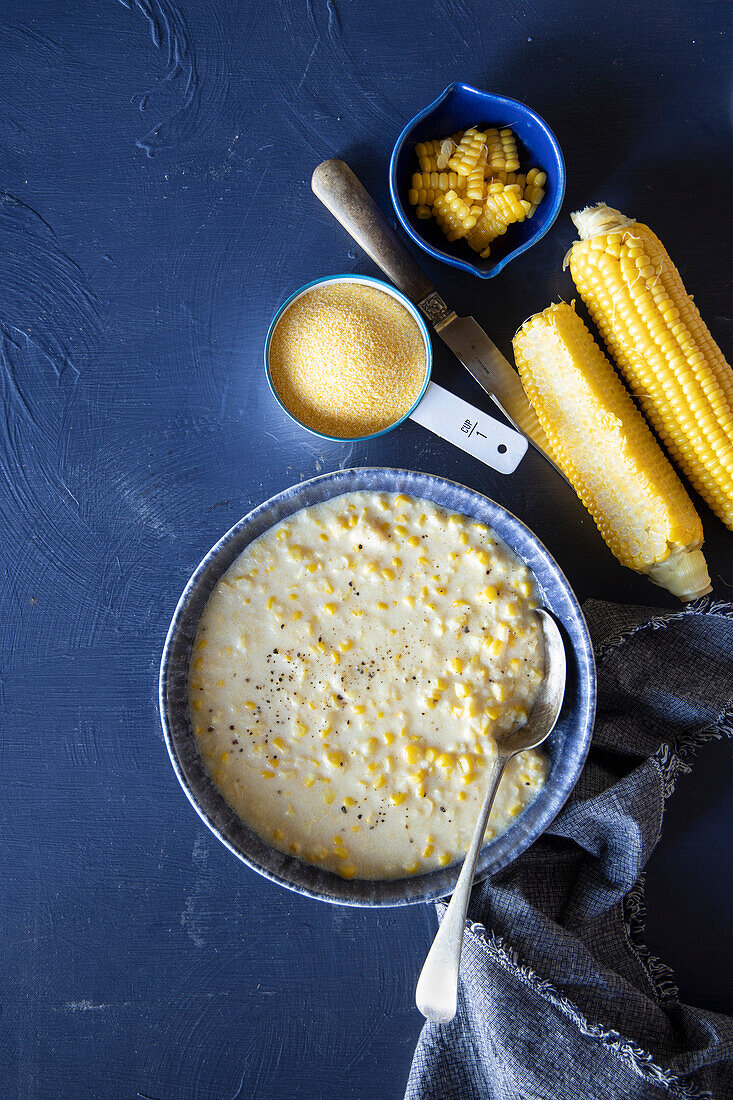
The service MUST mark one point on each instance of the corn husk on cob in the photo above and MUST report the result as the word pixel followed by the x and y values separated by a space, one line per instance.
pixel 604 447
pixel 661 346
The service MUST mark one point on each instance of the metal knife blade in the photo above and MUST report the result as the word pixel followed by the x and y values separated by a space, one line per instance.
pixel 492 370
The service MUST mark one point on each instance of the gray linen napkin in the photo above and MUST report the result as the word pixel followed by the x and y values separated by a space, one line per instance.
pixel 559 998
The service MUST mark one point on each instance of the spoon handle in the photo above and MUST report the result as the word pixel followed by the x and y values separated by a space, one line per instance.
pixel 437 987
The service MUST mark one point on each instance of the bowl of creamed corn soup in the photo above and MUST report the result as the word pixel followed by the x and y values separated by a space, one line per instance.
pixel 338 673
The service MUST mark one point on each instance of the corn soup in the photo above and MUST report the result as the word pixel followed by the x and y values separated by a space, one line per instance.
pixel 351 674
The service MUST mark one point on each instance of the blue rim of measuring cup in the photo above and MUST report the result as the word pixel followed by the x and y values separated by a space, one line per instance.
pixel 365 280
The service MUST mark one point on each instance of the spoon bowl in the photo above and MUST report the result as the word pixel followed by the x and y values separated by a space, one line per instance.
pixel 548 703
pixel 437 987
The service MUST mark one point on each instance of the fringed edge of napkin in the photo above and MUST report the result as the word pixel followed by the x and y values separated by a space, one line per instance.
pixel 641 1061
pixel 706 605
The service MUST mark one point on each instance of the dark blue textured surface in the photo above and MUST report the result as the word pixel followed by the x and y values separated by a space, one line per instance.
pixel 139 957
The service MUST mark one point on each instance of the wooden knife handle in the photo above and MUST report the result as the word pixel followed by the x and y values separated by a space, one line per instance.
pixel 340 192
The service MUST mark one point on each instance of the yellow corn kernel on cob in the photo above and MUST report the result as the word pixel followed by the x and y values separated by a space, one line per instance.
pixel 481 237
pixel 454 216
pixel 428 164
pixel 421 196
pixel 447 148
pixel 494 156
pixel 468 152
pixel 604 447
pixel 501 151
pixel 534 188
pixel 661 345
pixel 426 180
pixel 535 178
pixel 451 181
pixel 509 149
pixel 425 186
pixel 438 181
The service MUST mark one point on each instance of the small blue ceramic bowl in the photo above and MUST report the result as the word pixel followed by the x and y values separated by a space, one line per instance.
pixel 459 107
pixel 364 280
pixel 567 746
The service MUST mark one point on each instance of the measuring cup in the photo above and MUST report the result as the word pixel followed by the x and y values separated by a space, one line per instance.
pixel 437 409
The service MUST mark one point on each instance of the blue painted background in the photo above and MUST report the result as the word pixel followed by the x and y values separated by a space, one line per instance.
pixel 155 210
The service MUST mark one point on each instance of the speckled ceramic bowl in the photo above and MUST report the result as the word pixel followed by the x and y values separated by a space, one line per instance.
pixel 458 107
pixel 567 746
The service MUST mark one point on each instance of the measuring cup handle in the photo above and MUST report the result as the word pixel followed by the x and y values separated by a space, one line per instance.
pixel 341 192
pixel 475 432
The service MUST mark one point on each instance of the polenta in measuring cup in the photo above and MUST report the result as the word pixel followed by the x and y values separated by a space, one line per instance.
pixel 349 358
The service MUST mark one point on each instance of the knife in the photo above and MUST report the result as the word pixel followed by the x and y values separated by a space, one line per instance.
pixel 340 191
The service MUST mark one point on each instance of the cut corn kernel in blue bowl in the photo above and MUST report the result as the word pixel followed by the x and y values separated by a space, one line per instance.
pixel 515 135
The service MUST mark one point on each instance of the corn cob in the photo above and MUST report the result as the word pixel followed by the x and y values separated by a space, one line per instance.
pixel 604 447
pixel 661 345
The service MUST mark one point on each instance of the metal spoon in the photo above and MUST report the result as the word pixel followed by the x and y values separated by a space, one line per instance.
pixel 437 987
